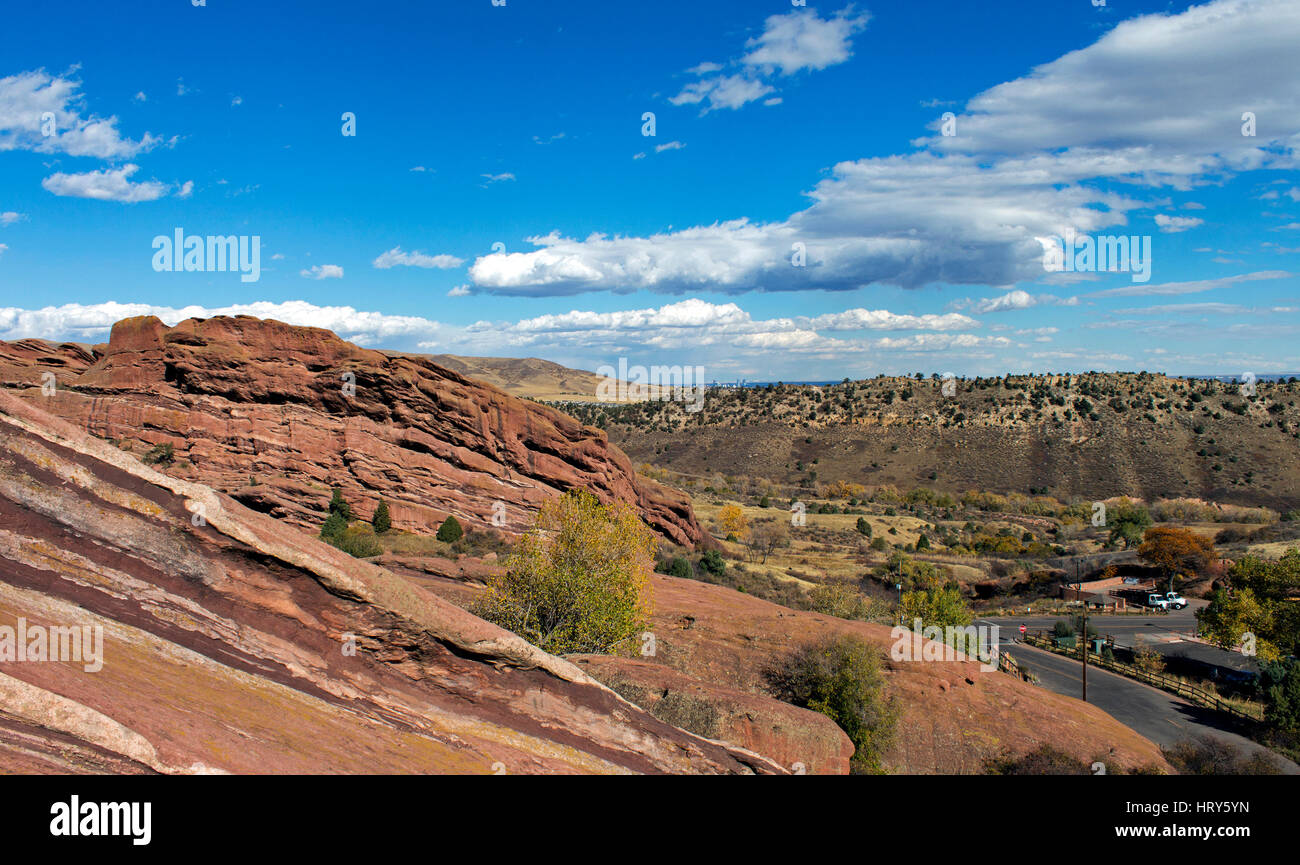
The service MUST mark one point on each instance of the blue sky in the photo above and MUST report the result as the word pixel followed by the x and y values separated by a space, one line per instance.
pixel 777 128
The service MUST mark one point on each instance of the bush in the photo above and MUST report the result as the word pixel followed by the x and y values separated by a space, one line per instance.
pixel 381 521
pixel 579 581
pixel 357 543
pixel 159 455
pixel 841 678
pixel 712 563
pixel 680 567
pixel 864 527
pixel 450 531
pixel 1043 760
pixel 1207 755
pixel 845 602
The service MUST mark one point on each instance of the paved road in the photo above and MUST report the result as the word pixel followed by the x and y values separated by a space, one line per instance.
pixel 1160 716
pixel 1157 627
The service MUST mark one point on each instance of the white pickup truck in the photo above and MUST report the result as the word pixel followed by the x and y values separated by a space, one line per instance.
pixel 1167 601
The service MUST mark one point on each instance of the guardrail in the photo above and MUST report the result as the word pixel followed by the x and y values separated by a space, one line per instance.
pixel 1197 695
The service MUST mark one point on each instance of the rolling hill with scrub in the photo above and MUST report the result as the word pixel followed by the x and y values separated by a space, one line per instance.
pixel 1087 437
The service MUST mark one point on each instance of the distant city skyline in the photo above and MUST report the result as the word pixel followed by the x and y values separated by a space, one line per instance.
pixel 769 192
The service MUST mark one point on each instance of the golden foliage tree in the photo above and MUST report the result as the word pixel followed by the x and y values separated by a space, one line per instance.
pixel 733 522
pixel 579 581
pixel 1177 551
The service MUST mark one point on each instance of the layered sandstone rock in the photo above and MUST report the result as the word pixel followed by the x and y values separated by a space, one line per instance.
pixel 235 643
pixel 277 415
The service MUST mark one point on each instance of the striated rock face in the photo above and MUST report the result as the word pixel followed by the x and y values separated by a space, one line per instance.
pixel 234 643
pixel 278 414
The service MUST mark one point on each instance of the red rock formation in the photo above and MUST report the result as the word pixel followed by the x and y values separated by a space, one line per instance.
pixel 226 637
pixel 278 414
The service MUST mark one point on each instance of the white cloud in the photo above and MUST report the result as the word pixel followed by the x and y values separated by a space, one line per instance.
pixel 9 217
pixel 722 91
pixel 1199 71
pixel 1175 224
pixel 497 178
pixel 3 248
pixel 801 40
pixel 395 257
pixel 91 322
pixel 940 341
pixel 105 185
pixel 28 96
pixel 140 97
pixel 1191 287
pixel 238 100
pixel 186 190
pixel 1035 157
pixel 882 319
pixel 323 271
pixel 460 291
pixel 671 145
pixel 790 43
pixel 1016 299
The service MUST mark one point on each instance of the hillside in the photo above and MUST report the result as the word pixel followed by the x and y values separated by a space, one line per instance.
pixel 1085 437
pixel 531 377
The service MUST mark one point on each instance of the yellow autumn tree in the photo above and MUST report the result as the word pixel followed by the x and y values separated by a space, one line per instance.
pixel 733 522
pixel 579 581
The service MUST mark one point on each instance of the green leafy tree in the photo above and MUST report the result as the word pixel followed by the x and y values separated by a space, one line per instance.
pixel 1230 616
pixel 381 521
pixel 579 581
pixel 938 607
pixel 864 527
pixel 1128 521
pixel 450 531
pixel 1282 698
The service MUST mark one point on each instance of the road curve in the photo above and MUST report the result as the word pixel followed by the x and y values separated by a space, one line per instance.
pixel 1158 715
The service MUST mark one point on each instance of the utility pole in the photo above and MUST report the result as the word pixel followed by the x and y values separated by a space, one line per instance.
pixel 1079 582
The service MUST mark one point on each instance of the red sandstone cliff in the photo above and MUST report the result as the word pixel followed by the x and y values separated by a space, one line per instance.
pixel 278 414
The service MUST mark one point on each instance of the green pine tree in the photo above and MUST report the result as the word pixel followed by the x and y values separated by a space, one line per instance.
pixel 381 521
pixel 334 527
pixel 450 531
pixel 339 505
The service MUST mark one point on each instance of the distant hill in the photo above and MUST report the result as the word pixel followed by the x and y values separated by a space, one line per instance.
pixel 528 377
pixel 1089 436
